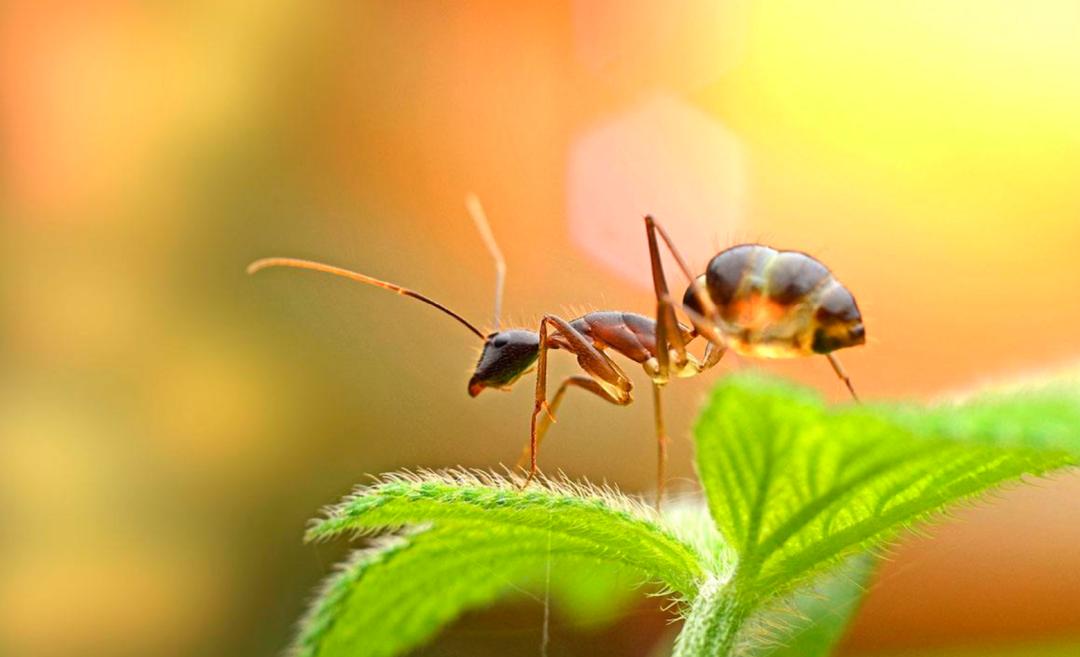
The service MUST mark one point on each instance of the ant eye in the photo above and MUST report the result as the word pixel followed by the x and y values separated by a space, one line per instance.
pixel 500 342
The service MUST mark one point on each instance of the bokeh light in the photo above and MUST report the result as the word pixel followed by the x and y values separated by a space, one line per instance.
pixel 664 155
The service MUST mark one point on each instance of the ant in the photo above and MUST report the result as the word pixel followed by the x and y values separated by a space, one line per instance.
pixel 752 299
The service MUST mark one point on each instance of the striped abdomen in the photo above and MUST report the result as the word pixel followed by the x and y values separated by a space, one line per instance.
pixel 779 304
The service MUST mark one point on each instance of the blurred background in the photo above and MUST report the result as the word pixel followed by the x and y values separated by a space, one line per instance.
pixel 168 424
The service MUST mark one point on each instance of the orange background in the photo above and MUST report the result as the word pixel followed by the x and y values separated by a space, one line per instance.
pixel 168 424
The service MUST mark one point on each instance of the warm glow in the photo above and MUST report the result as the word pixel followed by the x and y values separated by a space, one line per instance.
pixel 168 424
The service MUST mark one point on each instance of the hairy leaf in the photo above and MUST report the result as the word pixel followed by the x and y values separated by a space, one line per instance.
pixel 796 492
pixel 393 596
pixel 487 537
pixel 795 487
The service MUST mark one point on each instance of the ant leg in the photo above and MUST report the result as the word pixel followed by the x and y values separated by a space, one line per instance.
pixel 599 367
pixel 668 334
pixel 652 227
pixel 661 445
pixel 540 400
pixel 703 326
pixel 715 347
pixel 840 372
pixel 583 382
pixel 713 353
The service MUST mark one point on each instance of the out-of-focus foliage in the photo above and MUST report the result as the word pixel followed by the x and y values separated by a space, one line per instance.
pixel 811 621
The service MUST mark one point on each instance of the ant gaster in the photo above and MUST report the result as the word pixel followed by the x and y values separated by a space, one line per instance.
pixel 752 299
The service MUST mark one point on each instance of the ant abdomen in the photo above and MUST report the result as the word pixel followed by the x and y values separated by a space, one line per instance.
pixel 779 304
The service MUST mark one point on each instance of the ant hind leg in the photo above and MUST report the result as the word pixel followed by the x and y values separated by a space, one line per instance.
pixel 840 372
pixel 661 445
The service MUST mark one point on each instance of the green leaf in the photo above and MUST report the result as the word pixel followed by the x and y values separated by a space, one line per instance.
pixel 486 537
pixel 587 593
pixel 1043 415
pixel 796 487
pixel 389 598
pixel 394 596
pixel 689 520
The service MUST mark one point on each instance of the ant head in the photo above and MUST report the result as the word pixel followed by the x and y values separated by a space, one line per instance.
pixel 506 356
pixel 838 322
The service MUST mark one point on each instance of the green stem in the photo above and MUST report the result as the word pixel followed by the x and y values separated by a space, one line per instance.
pixel 716 616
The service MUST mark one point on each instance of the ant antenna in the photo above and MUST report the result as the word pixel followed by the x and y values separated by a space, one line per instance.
pixel 472 204
pixel 296 263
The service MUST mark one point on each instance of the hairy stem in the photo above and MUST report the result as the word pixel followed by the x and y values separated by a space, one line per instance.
pixel 716 616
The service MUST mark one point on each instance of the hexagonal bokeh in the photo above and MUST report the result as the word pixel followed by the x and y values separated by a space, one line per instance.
pixel 664 157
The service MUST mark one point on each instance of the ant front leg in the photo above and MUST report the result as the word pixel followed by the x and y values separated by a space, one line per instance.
pixel 544 423
pixel 605 374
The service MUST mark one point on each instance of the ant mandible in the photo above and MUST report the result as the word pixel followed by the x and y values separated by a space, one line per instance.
pixel 752 299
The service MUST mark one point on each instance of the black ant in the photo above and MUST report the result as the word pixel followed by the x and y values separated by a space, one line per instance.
pixel 752 299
